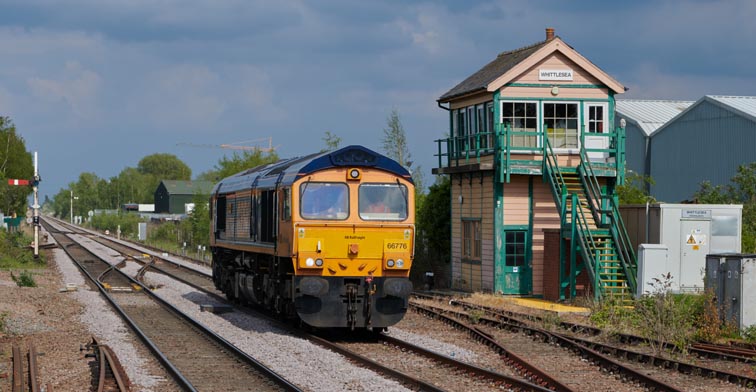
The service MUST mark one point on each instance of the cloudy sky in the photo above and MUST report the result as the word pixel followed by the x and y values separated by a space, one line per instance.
pixel 95 85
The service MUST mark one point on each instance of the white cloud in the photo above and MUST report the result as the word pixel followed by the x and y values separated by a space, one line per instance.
pixel 180 97
pixel 77 88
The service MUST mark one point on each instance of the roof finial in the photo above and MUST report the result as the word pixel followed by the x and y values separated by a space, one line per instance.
pixel 549 33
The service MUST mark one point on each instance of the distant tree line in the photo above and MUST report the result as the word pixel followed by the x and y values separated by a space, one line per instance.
pixel 15 163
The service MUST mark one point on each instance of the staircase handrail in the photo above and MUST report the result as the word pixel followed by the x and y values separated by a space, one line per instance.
pixel 625 247
pixel 584 235
pixel 551 167
pixel 616 224
pixel 579 223
pixel 595 198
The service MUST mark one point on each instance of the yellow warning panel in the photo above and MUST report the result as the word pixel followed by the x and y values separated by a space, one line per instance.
pixel 691 240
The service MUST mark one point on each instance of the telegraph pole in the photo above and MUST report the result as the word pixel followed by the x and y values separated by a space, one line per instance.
pixel 35 185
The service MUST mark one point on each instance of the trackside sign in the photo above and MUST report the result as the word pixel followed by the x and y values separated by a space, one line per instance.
pixel 555 74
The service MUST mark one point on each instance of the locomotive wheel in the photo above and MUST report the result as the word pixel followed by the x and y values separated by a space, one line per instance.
pixel 228 288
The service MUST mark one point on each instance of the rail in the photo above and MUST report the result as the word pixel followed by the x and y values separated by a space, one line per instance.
pixel 180 379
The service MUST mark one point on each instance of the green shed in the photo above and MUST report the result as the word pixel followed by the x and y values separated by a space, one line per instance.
pixel 172 196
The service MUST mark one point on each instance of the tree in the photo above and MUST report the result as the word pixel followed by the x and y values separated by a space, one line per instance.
pixel 741 190
pixel 395 147
pixel 238 162
pixel 433 237
pixel 158 167
pixel 15 163
pixel 164 167
pixel 331 140
pixel 131 186
pixel 634 189
pixel 199 221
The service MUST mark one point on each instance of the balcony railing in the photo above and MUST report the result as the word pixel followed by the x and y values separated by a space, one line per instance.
pixel 605 149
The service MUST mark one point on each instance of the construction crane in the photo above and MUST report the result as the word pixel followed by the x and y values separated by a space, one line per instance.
pixel 242 145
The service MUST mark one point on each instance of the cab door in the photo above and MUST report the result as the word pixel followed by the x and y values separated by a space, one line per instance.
pixel 513 269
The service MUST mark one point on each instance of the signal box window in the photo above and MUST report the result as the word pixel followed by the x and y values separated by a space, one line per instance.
pixel 561 121
pixel 471 239
pixel 521 117
pixel 383 202
pixel 324 200
pixel 515 246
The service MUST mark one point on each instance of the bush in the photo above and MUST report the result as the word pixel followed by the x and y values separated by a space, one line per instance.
pixel 612 315
pixel 129 223
pixel 14 250
pixel 666 317
pixel 749 334
pixel 25 279
pixel 3 318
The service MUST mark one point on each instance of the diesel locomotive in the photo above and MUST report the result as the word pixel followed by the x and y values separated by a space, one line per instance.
pixel 327 238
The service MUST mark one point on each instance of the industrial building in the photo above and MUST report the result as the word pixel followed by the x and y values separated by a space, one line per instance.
pixel 705 141
pixel 643 118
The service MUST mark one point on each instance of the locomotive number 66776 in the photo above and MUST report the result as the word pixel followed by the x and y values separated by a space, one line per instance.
pixel 328 238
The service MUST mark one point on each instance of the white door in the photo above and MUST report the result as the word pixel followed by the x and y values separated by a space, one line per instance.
pixel 693 250
pixel 597 131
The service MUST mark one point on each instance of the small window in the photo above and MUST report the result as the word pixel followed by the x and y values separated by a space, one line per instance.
pixel 286 204
pixel 471 239
pixel 515 248
pixel 383 202
pixel 324 200
pixel 596 118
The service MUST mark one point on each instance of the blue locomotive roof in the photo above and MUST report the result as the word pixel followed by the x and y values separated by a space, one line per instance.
pixel 286 171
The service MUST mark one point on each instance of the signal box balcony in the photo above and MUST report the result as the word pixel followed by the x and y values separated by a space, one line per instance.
pixel 510 151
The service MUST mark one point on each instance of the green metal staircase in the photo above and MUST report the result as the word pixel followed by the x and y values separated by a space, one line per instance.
pixel 590 219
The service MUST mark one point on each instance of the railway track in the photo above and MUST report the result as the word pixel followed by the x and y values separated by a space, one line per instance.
pixel 111 377
pixel 26 370
pixel 480 335
pixel 518 322
pixel 731 352
pixel 203 283
pixel 174 338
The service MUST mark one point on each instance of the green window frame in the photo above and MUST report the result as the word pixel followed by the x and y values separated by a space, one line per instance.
pixel 516 248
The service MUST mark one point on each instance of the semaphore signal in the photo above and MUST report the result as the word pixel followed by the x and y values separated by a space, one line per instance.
pixel 18 182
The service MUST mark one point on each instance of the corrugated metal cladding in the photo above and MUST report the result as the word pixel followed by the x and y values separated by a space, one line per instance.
pixel 643 117
pixel 707 142
pixel 650 114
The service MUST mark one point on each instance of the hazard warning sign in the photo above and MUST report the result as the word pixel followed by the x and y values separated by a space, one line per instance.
pixel 691 240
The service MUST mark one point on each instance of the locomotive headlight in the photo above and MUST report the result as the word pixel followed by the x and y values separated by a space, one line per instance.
pixel 309 262
pixel 319 262
pixel 399 263
pixel 354 174
pixel 390 263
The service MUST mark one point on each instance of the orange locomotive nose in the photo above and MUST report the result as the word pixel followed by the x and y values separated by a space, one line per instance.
pixel 354 249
